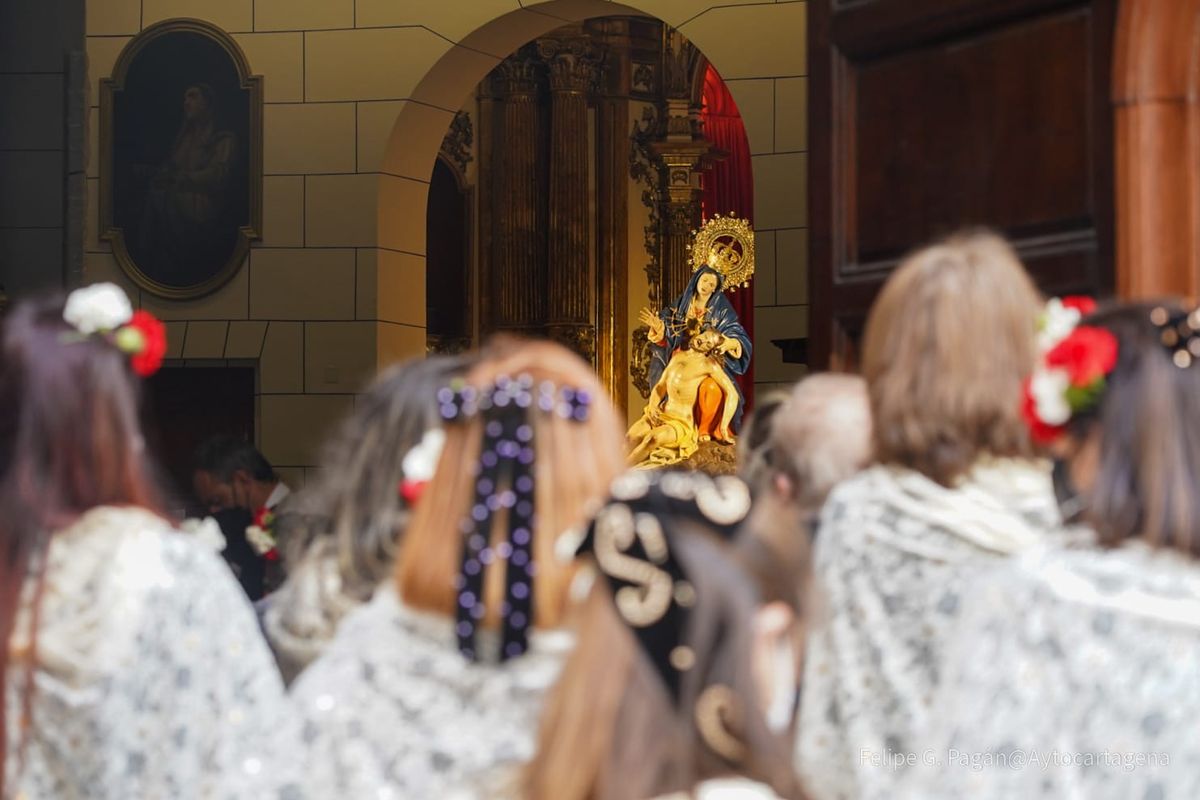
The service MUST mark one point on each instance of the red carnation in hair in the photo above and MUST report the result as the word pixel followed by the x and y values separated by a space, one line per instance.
pixel 1081 303
pixel 154 337
pixel 1087 354
pixel 411 490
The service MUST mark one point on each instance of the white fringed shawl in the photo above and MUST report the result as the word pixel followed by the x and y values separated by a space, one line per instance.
pixel 1074 675
pixel 895 559
pixel 151 678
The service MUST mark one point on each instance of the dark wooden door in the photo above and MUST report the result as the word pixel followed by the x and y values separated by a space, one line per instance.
pixel 927 116
pixel 183 406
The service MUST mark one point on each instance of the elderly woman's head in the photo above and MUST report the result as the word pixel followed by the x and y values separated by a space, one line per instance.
pixel 806 441
pixel 947 345
pixel 822 435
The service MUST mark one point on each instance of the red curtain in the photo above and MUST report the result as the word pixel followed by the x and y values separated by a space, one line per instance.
pixel 729 189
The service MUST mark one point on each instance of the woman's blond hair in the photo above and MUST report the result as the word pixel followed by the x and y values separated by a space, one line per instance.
pixel 575 463
pixel 947 344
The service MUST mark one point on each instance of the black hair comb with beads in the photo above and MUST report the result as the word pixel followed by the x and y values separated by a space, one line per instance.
pixel 504 483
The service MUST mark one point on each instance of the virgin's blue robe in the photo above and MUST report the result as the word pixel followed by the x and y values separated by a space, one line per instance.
pixel 720 314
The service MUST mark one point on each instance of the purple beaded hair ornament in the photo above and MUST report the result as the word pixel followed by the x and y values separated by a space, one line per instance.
pixel 504 479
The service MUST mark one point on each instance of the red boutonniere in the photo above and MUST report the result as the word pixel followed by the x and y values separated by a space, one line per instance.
pixel 261 534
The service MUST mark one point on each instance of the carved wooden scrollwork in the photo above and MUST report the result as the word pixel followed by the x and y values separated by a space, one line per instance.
pixel 579 338
pixel 456 146
pixel 645 79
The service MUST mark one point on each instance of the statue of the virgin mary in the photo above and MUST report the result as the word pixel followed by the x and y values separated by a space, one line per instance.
pixel 723 257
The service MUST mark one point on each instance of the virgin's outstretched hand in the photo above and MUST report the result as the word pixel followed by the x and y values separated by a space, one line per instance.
pixel 654 322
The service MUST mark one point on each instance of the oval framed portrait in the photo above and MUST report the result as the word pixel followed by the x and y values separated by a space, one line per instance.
pixel 181 158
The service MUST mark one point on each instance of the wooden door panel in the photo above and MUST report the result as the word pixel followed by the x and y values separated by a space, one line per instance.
pixel 936 146
pixel 182 407
pixel 931 115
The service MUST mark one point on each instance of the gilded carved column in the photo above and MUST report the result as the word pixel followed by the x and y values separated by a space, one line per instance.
pixel 570 295
pixel 681 218
pixel 683 154
pixel 517 239
pixel 670 153
pixel 613 145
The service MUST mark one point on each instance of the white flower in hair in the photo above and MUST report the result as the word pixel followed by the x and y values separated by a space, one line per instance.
pixel 1049 390
pixel 99 307
pixel 206 531
pixel 1057 322
pixel 420 463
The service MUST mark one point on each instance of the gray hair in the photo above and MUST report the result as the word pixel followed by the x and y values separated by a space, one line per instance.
pixel 354 505
pixel 822 435
pixel 754 444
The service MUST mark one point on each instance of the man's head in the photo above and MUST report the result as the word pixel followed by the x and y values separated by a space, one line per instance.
pixel 229 472
pixel 706 341
pixel 214 495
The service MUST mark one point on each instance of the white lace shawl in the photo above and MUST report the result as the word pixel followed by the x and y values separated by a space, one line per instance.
pixel 1076 674
pixel 151 680
pixel 896 555
pixel 726 789
pixel 392 710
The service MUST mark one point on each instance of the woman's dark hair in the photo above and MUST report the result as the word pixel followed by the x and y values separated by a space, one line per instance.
pixel 755 456
pixel 69 442
pixel 1147 484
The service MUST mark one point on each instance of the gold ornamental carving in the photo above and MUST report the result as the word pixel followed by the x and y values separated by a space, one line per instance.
pixel 517 75
pixel 572 64
pixel 725 244
pixel 580 339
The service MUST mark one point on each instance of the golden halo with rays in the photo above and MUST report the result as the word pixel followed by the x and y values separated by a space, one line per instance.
pixel 727 245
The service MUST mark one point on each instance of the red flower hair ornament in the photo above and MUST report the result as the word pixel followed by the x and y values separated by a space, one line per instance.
pixel 103 309
pixel 1072 371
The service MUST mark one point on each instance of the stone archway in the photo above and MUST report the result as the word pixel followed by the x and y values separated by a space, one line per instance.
pixel 1156 93
pixel 753 45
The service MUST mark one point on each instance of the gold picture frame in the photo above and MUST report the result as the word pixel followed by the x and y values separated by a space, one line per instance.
pixel 219 257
